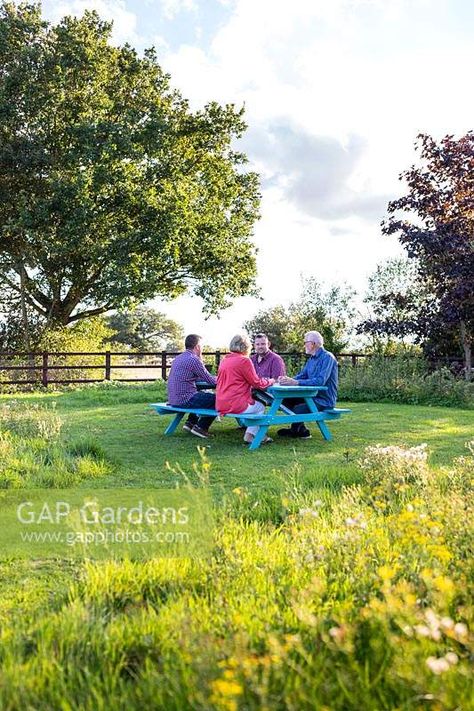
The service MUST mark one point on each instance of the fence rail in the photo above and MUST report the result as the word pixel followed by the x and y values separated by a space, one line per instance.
pixel 44 363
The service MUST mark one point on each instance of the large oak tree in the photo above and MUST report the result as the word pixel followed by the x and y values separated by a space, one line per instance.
pixel 111 189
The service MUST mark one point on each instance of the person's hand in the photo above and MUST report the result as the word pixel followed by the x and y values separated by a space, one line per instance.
pixel 285 380
pixel 271 381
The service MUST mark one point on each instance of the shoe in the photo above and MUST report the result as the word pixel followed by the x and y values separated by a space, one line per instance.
pixel 265 440
pixel 188 426
pixel 299 434
pixel 199 432
pixel 303 434
pixel 286 432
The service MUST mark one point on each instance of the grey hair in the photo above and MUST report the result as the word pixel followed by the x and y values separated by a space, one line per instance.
pixel 314 337
pixel 240 344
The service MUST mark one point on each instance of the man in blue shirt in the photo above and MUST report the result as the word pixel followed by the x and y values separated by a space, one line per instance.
pixel 320 369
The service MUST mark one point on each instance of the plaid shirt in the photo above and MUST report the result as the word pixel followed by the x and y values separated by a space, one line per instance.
pixel 186 369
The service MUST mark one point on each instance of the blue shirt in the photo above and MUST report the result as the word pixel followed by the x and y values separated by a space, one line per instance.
pixel 321 369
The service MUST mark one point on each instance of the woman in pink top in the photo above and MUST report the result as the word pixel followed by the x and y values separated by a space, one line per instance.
pixel 235 379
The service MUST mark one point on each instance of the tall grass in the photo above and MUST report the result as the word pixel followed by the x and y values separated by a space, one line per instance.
pixel 33 454
pixel 404 380
pixel 360 601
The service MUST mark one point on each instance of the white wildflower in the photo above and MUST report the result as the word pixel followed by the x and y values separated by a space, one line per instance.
pixel 437 666
pixel 446 623
pixel 460 630
pixel 308 512
pixel 422 630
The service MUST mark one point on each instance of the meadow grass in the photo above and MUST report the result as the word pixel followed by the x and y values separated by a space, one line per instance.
pixel 341 576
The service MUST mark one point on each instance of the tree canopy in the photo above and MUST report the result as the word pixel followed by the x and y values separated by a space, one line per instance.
pixel 439 232
pixel 111 190
pixel 329 312
pixel 145 329
pixel 395 297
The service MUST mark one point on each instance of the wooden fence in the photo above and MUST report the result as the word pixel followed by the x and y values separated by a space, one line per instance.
pixel 40 368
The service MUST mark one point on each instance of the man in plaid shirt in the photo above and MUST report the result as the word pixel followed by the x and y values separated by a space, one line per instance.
pixel 186 370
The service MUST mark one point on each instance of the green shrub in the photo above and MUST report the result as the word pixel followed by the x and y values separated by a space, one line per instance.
pixel 403 380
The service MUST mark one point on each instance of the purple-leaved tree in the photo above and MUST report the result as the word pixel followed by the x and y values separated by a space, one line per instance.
pixel 437 230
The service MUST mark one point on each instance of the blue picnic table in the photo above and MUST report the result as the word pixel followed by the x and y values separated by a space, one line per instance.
pixel 277 414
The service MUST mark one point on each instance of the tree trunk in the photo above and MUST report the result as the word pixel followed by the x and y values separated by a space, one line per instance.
pixel 24 312
pixel 467 346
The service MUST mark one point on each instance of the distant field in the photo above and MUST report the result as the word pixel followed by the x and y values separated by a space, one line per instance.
pixel 136 373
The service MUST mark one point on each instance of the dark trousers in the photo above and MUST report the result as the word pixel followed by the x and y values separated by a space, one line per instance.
pixel 299 407
pixel 201 400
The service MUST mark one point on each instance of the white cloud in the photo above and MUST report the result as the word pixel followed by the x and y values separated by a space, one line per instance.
pixel 335 94
pixel 124 21
pixel 171 8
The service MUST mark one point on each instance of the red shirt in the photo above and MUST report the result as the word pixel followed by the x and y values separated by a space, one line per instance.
pixel 235 379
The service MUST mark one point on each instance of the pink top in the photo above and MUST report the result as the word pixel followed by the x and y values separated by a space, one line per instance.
pixel 235 379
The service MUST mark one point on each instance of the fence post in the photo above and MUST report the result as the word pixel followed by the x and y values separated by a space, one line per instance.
pixel 163 365
pixel 107 365
pixel 45 369
pixel 354 360
pixel 218 360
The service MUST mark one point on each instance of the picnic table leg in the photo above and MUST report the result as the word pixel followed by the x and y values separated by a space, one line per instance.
pixel 259 437
pixel 173 425
pixel 324 429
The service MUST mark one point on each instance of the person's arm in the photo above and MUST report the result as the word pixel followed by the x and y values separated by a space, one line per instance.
pixel 203 374
pixel 321 372
pixel 252 378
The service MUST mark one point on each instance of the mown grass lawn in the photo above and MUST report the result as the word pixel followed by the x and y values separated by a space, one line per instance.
pixel 317 595
pixel 131 435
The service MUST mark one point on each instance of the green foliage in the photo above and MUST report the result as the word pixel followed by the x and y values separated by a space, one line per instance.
pixel 31 421
pixel 329 312
pixel 434 221
pixel 20 326
pixel 274 322
pixel 88 335
pixel 32 454
pixel 145 329
pixel 86 447
pixel 395 297
pixel 111 189
pixel 92 334
pixel 405 380
pixel 348 603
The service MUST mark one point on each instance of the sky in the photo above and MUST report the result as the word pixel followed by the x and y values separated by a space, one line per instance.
pixel 335 93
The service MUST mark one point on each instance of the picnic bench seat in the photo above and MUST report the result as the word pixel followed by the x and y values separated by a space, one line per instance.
pixel 265 420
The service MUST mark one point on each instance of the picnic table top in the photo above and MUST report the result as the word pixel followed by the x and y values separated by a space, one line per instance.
pixel 304 391
pixel 280 391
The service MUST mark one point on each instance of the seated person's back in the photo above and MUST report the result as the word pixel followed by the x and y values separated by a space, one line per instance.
pixel 186 370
